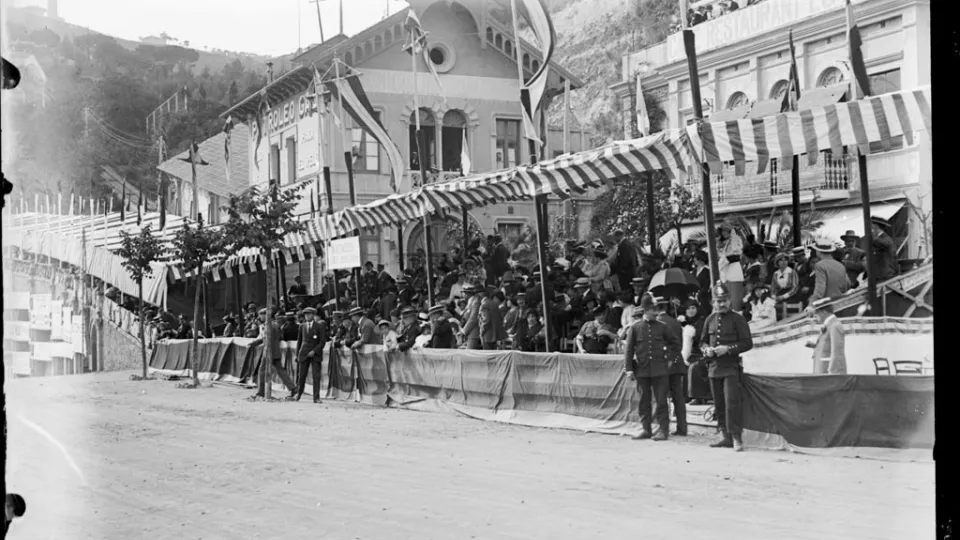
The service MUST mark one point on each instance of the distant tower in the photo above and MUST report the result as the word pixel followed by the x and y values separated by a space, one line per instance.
pixel 52 9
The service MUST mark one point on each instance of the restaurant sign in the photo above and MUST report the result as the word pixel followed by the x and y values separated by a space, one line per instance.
pixel 286 114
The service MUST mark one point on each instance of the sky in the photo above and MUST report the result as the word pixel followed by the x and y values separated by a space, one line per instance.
pixel 268 27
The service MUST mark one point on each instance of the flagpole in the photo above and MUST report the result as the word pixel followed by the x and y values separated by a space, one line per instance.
pixel 193 177
pixel 348 161
pixel 531 144
pixel 422 153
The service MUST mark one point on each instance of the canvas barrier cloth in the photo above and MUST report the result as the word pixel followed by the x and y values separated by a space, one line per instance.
pixel 592 392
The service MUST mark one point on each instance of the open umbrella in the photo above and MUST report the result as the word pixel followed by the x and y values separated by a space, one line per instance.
pixel 673 282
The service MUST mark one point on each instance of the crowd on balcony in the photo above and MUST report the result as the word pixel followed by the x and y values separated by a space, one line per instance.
pixel 708 12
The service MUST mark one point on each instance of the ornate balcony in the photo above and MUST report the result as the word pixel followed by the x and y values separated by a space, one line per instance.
pixel 416 180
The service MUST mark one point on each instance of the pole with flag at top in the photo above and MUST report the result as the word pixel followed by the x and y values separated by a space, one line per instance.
pixel 790 101
pixel 348 160
pixel 860 87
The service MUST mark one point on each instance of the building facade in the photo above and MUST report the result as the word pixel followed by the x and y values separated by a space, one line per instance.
pixel 744 62
pixel 478 105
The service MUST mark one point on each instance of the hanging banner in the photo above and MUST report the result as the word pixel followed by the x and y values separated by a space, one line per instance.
pixel 40 310
pixel 345 253
pixel 77 332
pixel 56 320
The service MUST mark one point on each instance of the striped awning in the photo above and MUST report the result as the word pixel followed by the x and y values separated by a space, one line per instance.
pixel 858 123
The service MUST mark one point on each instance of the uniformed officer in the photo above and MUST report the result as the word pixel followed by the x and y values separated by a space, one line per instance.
pixel 649 345
pixel 726 335
pixel 310 343
pixel 411 329
pixel 676 369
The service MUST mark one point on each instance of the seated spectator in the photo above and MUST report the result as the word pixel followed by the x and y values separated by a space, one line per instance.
pixel 389 335
pixel 784 283
pixel 595 336
pixel 763 310
pixel 534 340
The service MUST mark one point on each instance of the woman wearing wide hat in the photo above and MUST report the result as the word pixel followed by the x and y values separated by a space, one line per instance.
pixel 729 250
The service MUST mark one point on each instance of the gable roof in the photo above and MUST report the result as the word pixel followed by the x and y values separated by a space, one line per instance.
pixel 213 177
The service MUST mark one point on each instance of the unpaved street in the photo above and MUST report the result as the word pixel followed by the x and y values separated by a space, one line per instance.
pixel 149 460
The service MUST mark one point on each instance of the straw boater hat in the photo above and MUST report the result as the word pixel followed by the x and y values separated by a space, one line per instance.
pixel 780 256
pixel 355 311
pixel 385 322
pixel 771 245
pixel 850 234
pixel 582 283
pixel 799 250
pixel 439 308
pixel 638 281
pixel 824 247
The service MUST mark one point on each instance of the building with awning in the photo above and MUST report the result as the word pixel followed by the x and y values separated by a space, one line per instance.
pixel 744 62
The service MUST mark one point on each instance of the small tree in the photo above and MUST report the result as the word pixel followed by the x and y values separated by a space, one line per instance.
pixel 139 252
pixel 262 221
pixel 196 247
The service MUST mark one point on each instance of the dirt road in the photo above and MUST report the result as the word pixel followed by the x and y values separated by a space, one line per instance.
pixel 98 456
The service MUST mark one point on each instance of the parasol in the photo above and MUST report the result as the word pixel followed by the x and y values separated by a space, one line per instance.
pixel 673 282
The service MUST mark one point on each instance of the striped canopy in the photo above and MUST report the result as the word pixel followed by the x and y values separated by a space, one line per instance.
pixel 858 123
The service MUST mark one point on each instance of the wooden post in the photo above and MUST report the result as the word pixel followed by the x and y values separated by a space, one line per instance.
pixel 795 195
pixel 326 185
pixel 876 307
pixel 542 240
pixel 689 43
pixel 651 216
pixel 466 232
pixel 347 158
pixel 428 249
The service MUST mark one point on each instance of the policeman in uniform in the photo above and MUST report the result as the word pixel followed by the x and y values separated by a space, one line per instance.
pixel 726 335
pixel 310 343
pixel 676 369
pixel 649 345
pixel 410 331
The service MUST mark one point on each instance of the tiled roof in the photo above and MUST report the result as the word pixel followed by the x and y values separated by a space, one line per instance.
pixel 213 177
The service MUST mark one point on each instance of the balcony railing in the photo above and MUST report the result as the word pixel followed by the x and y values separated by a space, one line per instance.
pixel 416 180
pixel 829 173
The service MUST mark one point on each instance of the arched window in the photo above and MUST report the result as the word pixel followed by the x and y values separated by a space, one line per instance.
pixel 367 49
pixel 779 89
pixel 526 60
pixel 348 58
pixel 377 43
pixel 429 125
pixel 536 66
pixel 388 37
pixel 498 41
pixel 358 53
pixel 454 124
pixel 489 34
pixel 508 48
pixel 830 77
pixel 738 99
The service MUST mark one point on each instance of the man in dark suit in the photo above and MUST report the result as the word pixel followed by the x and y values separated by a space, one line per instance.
pixel 384 279
pixel 298 288
pixel 853 258
pixel 702 273
pixel 441 330
pixel 492 331
pixel 311 340
pixel 726 335
pixel 830 276
pixel 649 345
pixel 884 251
pixel 388 302
pixel 676 369
pixel 411 329
pixel 405 296
pixel 366 330
pixel 499 259
pixel 290 328
pixel 626 263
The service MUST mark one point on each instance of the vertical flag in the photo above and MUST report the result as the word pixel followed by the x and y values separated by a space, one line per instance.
pixel 313 208
pixel 532 91
pixel 792 96
pixel 419 46
pixel 464 155
pixel 258 125
pixel 227 129
pixel 139 204
pixel 861 83
pixel 643 119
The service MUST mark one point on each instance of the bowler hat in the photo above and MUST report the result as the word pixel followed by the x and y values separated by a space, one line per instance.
pixel 423 316
pixel 851 234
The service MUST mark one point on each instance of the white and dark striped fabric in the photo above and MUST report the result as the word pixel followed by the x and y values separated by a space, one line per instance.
pixel 873 120
pixel 535 13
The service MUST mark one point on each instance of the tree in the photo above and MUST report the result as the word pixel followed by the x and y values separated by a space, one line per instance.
pixel 197 247
pixel 139 252
pixel 262 221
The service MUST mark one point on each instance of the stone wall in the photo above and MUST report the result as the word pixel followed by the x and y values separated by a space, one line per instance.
pixel 121 350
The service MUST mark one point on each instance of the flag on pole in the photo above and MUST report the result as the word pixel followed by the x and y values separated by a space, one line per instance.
pixel 861 82
pixel 313 208
pixel 139 204
pixel 196 154
pixel 357 105
pixel 258 126
pixel 532 91
pixel 227 129
pixel 464 155
pixel 419 45
pixel 643 118
pixel 792 96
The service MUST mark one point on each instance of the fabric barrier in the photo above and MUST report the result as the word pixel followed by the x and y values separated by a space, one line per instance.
pixel 590 391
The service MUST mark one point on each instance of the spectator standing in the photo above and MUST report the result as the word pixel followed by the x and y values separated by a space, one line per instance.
pixel 830 276
pixel 597 271
pixel 492 332
pixel 626 262
pixel 471 318
pixel 648 346
pixel 884 251
pixel 441 332
pixel 853 257
pixel 311 339
pixel 729 250
pixel 829 354
pixel 805 278
pixel 698 383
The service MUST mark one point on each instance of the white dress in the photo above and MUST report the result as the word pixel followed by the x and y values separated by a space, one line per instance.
pixel 763 314
pixel 730 271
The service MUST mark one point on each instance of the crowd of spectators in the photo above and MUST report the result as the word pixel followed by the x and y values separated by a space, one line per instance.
pixel 708 12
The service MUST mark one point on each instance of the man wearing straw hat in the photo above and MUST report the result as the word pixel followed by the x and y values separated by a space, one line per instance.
pixel 830 276
pixel 726 335
pixel 829 349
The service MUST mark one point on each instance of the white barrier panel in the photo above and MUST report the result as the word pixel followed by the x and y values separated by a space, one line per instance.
pixel 21 363
pixel 77 325
pixel 42 351
pixel 40 310
pixel 17 330
pixel 56 320
pixel 67 329
pixel 60 349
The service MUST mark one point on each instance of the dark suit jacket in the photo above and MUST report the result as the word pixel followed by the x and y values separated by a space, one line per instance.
pixel 853 260
pixel 491 322
pixel 499 260
pixel 366 333
pixel 730 329
pixel 312 338
pixel 408 337
pixel 648 348
pixel 442 337
pixel 885 257
pixel 626 262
